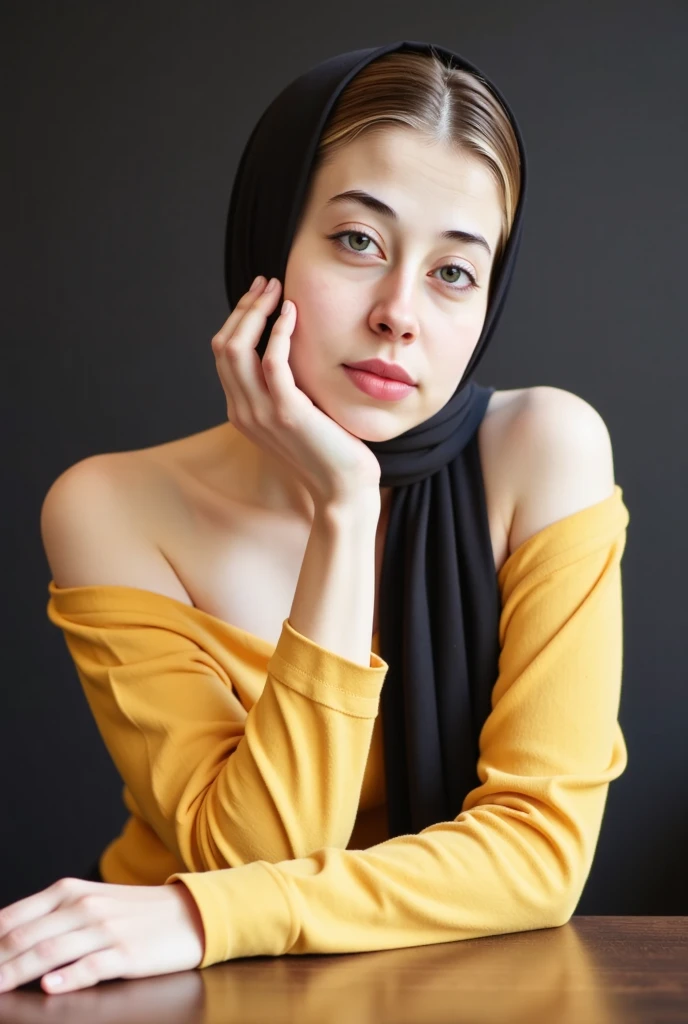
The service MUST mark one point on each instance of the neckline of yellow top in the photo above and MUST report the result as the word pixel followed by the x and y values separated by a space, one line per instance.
pixel 616 497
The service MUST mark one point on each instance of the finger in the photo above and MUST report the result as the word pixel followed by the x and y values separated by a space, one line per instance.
pixel 247 313
pixel 249 326
pixel 246 330
pixel 246 300
pixel 278 375
pixel 37 906
pixel 49 929
pixel 239 365
pixel 52 953
pixel 102 965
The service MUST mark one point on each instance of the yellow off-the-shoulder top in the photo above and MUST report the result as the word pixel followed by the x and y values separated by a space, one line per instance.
pixel 254 773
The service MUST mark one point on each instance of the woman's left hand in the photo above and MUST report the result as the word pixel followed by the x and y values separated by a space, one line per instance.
pixel 93 931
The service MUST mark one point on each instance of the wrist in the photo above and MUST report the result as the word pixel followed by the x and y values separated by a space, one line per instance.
pixel 365 507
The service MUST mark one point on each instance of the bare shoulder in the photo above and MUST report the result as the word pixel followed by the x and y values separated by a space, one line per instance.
pixel 561 453
pixel 95 527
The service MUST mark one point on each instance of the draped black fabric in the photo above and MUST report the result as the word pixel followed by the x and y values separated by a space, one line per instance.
pixel 439 599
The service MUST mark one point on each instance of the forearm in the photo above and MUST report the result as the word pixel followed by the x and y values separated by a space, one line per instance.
pixel 221 782
pixel 335 595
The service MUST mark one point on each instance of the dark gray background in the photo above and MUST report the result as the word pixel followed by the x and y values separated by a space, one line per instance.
pixel 124 123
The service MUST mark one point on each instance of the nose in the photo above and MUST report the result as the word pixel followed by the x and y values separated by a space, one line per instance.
pixel 392 315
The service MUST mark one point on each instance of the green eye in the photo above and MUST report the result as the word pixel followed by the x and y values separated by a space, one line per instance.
pixel 358 235
pixel 337 239
pixel 453 267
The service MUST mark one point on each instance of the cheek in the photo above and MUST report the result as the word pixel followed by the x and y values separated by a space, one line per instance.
pixel 321 304
pixel 325 324
pixel 452 352
pixel 317 311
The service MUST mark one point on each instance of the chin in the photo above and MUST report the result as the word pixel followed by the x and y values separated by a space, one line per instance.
pixel 369 424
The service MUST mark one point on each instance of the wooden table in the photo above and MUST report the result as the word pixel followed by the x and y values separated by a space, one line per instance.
pixel 593 970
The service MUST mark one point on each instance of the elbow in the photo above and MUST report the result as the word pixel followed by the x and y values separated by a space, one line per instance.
pixel 548 910
pixel 569 900
pixel 552 886
pixel 558 902
pixel 560 912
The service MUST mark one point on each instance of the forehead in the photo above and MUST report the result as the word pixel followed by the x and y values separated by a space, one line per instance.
pixel 428 183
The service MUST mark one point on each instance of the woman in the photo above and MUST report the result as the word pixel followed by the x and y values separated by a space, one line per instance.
pixel 218 594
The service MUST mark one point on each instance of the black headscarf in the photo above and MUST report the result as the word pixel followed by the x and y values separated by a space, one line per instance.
pixel 439 598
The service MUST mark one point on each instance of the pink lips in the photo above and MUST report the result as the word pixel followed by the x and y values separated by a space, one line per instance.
pixel 372 384
pixel 383 369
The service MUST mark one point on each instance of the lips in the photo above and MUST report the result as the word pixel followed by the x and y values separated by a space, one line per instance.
pixel 383 389
pixel 390 371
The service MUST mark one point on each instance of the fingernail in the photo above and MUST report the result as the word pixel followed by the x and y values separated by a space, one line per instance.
pixel 285 306
pixel 272 284
pixel 256 284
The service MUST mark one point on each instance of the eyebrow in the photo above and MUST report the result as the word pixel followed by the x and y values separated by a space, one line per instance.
pixel 377 206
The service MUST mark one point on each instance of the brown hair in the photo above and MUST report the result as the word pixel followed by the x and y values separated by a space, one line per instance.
pixel 419 91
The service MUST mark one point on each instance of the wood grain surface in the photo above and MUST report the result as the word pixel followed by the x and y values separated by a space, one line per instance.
pixel 593 970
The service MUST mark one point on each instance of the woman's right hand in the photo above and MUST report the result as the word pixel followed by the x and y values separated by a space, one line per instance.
pixel 264 403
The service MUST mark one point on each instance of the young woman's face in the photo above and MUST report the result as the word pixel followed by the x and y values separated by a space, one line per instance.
pixel 391 287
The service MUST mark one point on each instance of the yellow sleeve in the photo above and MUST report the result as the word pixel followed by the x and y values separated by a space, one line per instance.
pixel 518 855
pixel 220 785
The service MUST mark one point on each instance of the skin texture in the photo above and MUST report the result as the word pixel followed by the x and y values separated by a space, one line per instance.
pixel 263 402
pixel 391 298
pixel 109 931
pixel 401 299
